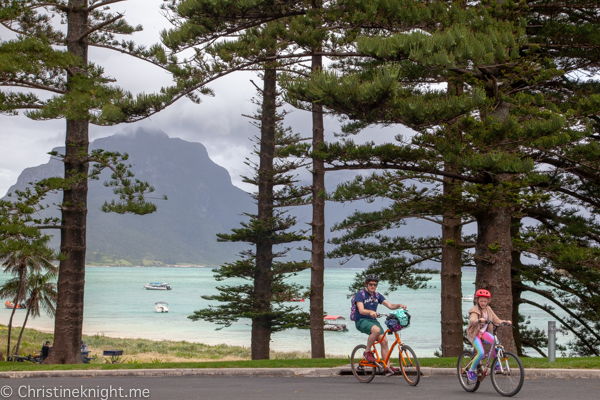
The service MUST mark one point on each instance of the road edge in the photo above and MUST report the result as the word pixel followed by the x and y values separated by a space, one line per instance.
pixel 291 372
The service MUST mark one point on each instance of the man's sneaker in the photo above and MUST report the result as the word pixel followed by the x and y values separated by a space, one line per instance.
pixel 391 371
pixel 472 376
pixel 368 355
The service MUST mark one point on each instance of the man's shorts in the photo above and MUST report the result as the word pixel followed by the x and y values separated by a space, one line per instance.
pixel 364 325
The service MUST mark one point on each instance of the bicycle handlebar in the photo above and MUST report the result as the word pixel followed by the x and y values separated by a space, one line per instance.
pixel 487 321
pixel 379 315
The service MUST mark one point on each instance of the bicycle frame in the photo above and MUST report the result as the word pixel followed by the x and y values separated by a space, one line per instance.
pixel 384 363
pixel 499 354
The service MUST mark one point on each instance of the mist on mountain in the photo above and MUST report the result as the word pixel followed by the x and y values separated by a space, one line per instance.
pixel 202 201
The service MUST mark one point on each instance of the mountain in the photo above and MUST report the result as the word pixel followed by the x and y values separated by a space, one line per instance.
pixel 202 202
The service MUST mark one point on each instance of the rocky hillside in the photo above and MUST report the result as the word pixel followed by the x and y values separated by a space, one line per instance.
pixel 202 201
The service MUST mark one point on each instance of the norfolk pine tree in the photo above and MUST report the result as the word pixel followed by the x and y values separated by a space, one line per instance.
pixel 205 22
pixel 262 301
pixel 79 92
pixel 507 101
pixel 313 29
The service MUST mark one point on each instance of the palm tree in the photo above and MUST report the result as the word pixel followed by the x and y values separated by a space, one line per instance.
pixel 23 257
pixel 42 296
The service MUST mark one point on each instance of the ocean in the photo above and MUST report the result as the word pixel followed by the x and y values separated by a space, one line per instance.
pixel 117 305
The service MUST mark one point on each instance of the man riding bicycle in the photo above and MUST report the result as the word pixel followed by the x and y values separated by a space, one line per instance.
pixel 365 316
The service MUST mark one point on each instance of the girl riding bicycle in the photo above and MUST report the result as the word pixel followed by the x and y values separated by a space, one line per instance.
pixel 478 330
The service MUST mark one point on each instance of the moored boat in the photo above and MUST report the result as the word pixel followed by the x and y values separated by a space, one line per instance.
pixel 10 304
pixel 161 307
pixel 334 323
pixel 468 298
pixel 157 286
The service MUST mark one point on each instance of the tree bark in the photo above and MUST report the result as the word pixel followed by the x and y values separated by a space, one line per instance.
pixel 493 258
pixel 71 278
pixel 451 274
pixel 317 340
pixel 261 326
pixel 516 286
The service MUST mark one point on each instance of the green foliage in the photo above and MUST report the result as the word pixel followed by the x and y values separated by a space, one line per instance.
pixel 263 298
pixel 567 245
pixel 510 118
pixel 80 90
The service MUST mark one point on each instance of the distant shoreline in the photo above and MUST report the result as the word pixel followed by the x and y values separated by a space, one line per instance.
pixel 147 266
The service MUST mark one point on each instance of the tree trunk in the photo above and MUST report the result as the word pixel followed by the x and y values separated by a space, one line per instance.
pixel 493 258
pixel 12 314
pixel 71 278
pixel 261 325
pixel 451 274
pixel 23 329
pixel 10 321
pixel 516 286
pixel 317 340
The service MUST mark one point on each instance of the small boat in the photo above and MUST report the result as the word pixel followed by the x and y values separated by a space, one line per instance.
pixel 158 286
pixel 468 298
pixel 11 305
pixel 161 307
pixel 334 323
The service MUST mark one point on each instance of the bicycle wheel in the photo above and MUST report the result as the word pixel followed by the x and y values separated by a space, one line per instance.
pixel 409 364
pixel 363 373
pixel 508 379
pixel 464 363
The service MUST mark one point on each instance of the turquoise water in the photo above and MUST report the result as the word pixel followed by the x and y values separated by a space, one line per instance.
pixel 117 305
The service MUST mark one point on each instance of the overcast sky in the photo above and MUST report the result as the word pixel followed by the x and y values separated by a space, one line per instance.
pixel 217 123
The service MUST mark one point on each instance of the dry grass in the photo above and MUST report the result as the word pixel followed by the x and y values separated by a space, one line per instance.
pixel 144 350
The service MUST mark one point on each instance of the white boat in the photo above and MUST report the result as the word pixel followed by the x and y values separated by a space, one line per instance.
pixel 468 298
pixel 161 306
pixel 334 323
pixel 158 286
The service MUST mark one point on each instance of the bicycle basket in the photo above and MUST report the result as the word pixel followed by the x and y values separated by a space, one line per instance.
pixel 392 323
pixel 403 317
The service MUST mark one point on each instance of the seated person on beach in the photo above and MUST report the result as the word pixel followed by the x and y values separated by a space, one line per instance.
pixel 45 350
pixel 84 347
pixel 365 318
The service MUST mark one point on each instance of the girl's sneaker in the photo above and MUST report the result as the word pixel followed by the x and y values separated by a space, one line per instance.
pixel 391 371
pixel 472 376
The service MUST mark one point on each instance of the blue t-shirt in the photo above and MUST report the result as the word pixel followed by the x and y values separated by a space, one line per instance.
pixel 370 302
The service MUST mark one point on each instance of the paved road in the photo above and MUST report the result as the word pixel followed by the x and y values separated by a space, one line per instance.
pixel 284 388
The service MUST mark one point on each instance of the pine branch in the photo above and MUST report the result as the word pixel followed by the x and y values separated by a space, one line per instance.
pixel 102 4
pixel 98 27
pixel 568 326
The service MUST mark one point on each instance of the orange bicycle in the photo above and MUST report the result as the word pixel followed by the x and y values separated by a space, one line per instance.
pixel 365 371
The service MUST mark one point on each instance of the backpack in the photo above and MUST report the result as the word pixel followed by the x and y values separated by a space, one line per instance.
pixel 353 304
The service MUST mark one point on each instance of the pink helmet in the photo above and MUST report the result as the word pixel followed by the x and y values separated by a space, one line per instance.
pixel 482 293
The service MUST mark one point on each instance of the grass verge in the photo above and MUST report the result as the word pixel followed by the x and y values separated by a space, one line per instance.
pixel 528 362
pixel 142 350
pixel 143 353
